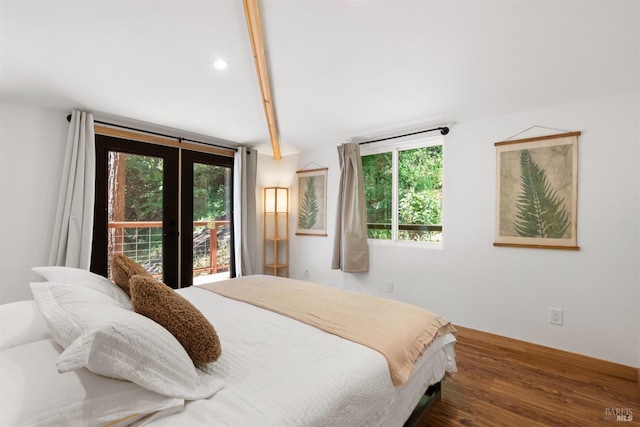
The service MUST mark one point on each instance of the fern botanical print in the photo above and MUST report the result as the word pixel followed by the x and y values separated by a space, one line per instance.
pixel 541 211
pixel 312 202
pixel 308 207
pixel 537 192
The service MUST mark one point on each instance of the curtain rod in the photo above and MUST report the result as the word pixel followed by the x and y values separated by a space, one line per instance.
pixel 158 134
pixel 443 130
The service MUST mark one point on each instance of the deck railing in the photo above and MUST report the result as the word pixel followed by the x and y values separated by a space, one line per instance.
pixel 407 227
pixel 414 232
pixel 142 240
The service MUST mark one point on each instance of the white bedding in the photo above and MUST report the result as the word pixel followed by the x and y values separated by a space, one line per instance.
pixel 280 372
pixel 276 372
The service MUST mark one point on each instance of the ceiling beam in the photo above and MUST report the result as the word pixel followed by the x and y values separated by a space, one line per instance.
pixel 254 24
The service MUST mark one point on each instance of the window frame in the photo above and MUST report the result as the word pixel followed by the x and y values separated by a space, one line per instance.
pixel 395 146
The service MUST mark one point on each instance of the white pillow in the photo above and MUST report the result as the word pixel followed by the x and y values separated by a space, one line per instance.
pixel 34 393
pixel 70 310
pixel 77 276
pixel 109 340
pixel 21 323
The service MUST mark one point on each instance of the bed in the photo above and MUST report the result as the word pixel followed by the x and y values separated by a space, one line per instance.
pixel 273 370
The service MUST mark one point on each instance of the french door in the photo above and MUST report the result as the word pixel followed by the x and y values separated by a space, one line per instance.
pixel 207 232
pixel 168 209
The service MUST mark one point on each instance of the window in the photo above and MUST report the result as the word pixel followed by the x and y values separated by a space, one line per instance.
pixel 403 190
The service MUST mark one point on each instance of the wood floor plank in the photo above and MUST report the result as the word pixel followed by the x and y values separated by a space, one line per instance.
pixel 509 385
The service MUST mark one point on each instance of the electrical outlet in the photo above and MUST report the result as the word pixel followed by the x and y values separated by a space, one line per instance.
pixel 555 316
pixel 307 274
pixel 389 284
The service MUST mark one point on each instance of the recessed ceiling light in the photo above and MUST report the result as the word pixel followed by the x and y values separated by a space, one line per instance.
pixel 220 64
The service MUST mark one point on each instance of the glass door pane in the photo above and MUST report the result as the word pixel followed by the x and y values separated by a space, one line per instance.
pixel 136 206
pixel 206 211
pixel 135 209
pixel 211 243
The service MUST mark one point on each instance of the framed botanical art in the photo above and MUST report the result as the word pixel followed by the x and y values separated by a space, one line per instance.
pixel 537 192
pixel 312 202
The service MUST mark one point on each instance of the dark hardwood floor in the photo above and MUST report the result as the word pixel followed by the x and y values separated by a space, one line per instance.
pixel 501 386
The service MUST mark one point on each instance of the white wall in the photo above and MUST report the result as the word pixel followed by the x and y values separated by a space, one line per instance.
pixel 508 291
pixel 32 144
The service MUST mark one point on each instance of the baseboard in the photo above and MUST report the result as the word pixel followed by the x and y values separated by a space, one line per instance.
pixel 552 354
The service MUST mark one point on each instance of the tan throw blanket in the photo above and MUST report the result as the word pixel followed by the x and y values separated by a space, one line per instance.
pixel 401 332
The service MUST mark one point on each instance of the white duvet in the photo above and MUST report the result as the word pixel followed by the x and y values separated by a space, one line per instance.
pixel 280 372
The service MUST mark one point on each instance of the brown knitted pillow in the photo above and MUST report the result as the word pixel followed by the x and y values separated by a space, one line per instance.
pixel 123 269
pixel 162 304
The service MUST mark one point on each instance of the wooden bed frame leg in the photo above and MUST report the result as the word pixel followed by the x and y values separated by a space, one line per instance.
pixel 428 400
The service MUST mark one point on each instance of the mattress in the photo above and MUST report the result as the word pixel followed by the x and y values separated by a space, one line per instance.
pixel 281 372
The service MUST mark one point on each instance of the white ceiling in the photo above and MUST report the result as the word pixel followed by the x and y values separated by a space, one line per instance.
pixel 340 69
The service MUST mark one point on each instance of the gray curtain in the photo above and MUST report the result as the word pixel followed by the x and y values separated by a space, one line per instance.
pixel 73 228
pixel 244 210
pixel 350 249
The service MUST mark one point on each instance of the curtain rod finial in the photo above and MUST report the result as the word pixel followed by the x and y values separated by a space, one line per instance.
pixel 444 130
pixel 69 118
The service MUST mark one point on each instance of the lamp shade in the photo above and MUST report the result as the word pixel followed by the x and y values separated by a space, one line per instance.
pixel 276 199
